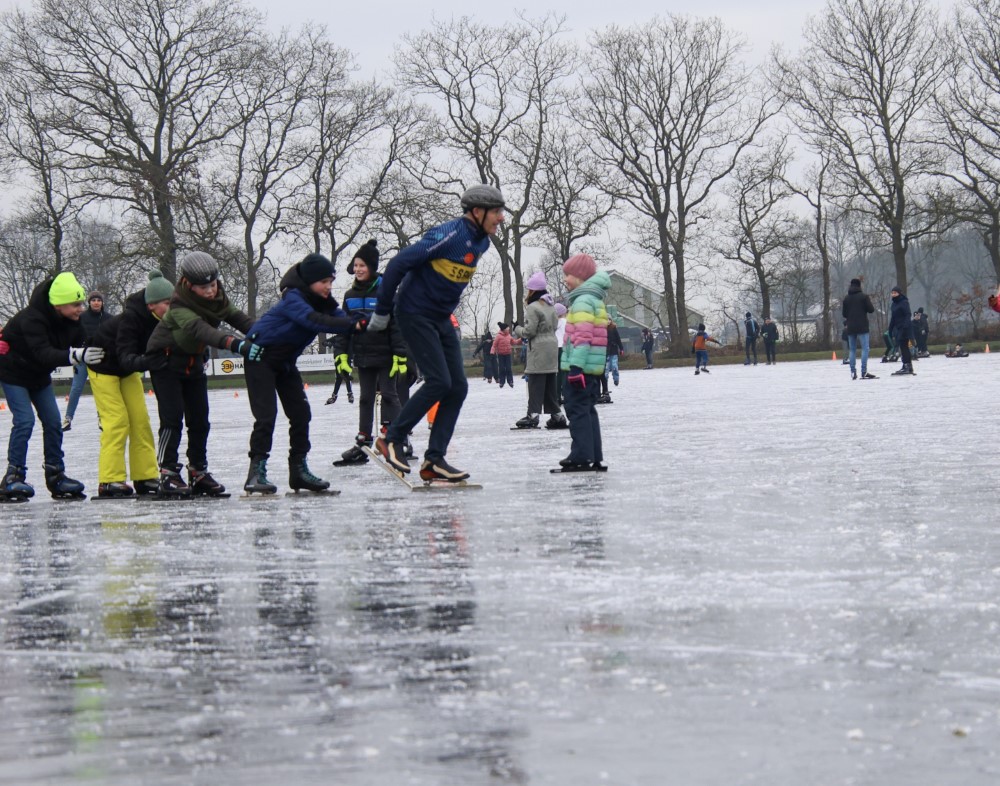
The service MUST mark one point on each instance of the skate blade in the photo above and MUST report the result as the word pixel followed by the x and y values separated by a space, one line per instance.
pixel 71 498
pixel 311 493
pixel 13 499
pixel 342 463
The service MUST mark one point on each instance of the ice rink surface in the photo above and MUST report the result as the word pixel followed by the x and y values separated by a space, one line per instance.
pixel 786 578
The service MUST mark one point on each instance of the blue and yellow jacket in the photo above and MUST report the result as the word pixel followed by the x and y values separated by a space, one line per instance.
pixel 431 274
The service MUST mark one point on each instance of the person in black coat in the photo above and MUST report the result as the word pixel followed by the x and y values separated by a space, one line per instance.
pixel 119 394
pixel 901 329
pixel 489 360
pixel 40 338
pixel 91 320
pixel 769 332
pixel 921 331
pixel 855 309
pixel 751 328
pixel 380 357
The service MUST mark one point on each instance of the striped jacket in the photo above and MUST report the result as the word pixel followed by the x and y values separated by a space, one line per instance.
pixel 586 342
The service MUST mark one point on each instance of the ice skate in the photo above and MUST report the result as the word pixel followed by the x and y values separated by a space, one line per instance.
pixel 441 470
pixel 301 479
pixel 355 454
pixel 350 397
pixel 527 422
pixel 866 375
pixel 906 370
pixel 557 421
pixel 257 482
pixel 62 487
pixel 203 484
pixel 13 488
pixel 115 490
pixel 332 399
pixel 393 453
pixel 145 488
pixel 171 485
pixel 67 423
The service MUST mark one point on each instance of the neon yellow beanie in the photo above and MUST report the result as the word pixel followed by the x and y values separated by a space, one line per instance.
pixel 66 289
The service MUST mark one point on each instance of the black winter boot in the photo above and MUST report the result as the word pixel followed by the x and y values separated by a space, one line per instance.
pixel 528 421
pixel 13 484
pixel 202 483
pixel 257 482
pixel 60 486
pixel 300 478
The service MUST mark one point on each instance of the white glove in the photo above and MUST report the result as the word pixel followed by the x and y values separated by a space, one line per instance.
pixel 378 322
pixel 90 356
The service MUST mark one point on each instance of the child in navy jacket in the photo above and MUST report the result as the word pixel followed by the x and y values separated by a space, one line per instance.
pixel 305 310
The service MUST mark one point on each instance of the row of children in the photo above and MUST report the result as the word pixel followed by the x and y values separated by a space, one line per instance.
pixel 163 330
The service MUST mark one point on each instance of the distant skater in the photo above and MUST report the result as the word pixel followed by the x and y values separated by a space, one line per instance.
pixel 699 347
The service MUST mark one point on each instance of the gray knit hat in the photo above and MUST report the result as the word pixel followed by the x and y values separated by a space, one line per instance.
pixel 158 288
pixel 199 268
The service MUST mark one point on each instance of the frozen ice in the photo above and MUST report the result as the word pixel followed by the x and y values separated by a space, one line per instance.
pixel 787 577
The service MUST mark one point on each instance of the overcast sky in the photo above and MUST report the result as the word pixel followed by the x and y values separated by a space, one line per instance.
pixel 372 29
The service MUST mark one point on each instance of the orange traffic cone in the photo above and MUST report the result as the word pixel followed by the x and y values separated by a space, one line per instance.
pixel 834 355
pixel 3 406
pixel 306 386
pixel 149 392
pixel 432 413
pixel 236 394
pixel 987 349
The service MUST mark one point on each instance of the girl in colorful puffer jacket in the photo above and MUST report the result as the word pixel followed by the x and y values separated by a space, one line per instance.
pixel 583 357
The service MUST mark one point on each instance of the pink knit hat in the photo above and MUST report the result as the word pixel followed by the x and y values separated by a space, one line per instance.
pixel 582 266
pixel 537 282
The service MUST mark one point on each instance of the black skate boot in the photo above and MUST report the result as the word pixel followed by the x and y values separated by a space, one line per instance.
pixel 528 421
pixel 13 488
pixel 355 454
pixel 332 399
pixel 60 486
pixel 557 421
pixel 257 482
pixel 906 370
pixel 441 470
pixel 171 485
pixel 146 488
pixel 118 489
pixel 393 453
pixel 301 479
pixel 203 484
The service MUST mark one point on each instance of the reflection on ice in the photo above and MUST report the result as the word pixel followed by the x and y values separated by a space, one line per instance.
pixel 752 594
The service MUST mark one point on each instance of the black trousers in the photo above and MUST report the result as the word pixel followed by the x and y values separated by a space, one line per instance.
pixel 181 399
pixel 543 395
pixel 769 347
pixel 266 384
pixel 751 346
pixel 372 380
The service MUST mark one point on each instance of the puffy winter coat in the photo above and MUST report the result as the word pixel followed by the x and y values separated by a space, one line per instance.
pixel 293 323
pixel 855 309
pixel 502 344
pixel 192 325
pixel 539 329
pixel 586 341
pixel 124 338
pixel 40 340
pixel 369 350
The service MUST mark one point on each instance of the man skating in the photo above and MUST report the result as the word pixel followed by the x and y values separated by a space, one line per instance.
pixel 421 287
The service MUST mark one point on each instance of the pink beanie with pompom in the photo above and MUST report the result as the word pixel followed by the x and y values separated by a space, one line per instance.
pixel 582 266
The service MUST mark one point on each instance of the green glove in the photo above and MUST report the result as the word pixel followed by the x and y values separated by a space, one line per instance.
pixel 343 367
pixel 398 365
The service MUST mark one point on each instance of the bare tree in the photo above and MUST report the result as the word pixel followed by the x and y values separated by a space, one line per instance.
pixel 670 107
pixel 31 148
pixel 862 87
pixel 498 88
pixel 25 258
pixel 140 87
pixel 267 147
pixel 760 223
pixel 570 202
pixel 360 132
pixel 968 112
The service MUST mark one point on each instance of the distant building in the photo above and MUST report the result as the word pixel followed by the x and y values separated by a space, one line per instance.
pixel 634 305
